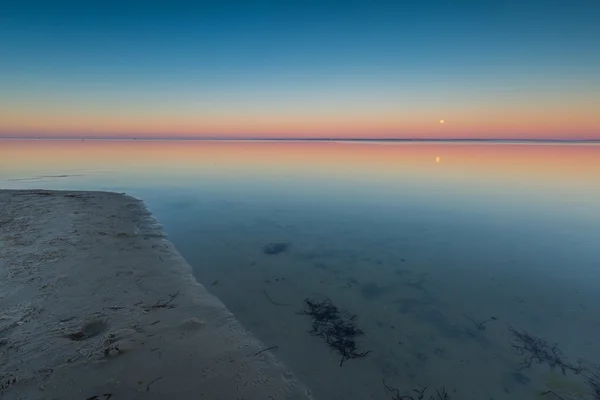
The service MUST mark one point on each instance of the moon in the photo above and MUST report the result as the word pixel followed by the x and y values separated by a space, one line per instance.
pixel 441 121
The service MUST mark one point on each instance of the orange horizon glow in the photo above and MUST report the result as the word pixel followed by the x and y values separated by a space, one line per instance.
pixel 491 121
pixel 506 131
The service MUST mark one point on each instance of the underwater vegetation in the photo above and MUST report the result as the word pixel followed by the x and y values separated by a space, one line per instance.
pixel 440 394
pixel 275 248
pixel 540 351
pixel 335 326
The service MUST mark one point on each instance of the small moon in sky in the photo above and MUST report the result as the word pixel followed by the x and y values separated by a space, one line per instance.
pixel 441 121
pixel 437 159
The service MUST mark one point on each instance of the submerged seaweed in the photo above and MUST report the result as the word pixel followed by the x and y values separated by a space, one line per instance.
pixel 594 384
pixel 538 350
pixel 275 248
pixel 336 327
pixel 592 375
pixel 440 394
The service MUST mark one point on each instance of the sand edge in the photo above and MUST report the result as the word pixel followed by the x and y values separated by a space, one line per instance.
pixel 96 303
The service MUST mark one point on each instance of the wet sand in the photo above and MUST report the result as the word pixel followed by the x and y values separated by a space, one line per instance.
pixel 97 304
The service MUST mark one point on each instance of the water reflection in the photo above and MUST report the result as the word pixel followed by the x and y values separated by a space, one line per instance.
pixel 437 260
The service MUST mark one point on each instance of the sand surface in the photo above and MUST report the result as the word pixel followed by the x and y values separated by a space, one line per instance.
pixel 95 303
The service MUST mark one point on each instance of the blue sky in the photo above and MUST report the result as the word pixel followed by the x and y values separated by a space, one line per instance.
pixel 380 54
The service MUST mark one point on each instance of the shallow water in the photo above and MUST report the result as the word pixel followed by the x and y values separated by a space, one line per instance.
pixel 425 243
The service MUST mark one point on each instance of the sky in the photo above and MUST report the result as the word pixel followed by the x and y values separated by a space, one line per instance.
pixel 527 69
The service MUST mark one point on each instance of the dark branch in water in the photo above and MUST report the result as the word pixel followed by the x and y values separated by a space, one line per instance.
pixel 440 394
pixel 336 327
pixel 267 349
pixel 593 380
pixel 151 382
pixel 480 324
pixel 275 303
pixel 553 393
pixel 595 386
pixel 540 351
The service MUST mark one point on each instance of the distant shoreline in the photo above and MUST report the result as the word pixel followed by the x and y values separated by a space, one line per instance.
pixel 341 139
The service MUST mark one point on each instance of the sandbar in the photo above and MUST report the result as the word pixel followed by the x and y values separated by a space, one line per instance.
pixel 97 304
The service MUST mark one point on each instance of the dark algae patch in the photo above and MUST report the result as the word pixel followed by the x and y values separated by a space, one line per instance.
pixel 275 248
pixel 480 325
pixel 539 351
pixel 594 384
pixel 335 326
pixel 417 394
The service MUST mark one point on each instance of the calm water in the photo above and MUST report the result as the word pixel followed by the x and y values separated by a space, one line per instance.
pixel 425 243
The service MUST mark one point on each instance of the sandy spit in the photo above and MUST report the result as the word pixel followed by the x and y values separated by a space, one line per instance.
pixel 96 304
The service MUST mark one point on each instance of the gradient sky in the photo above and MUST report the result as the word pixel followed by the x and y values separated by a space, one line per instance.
pixel 489 69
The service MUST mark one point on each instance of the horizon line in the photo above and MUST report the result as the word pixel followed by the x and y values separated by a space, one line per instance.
pixel 299 139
